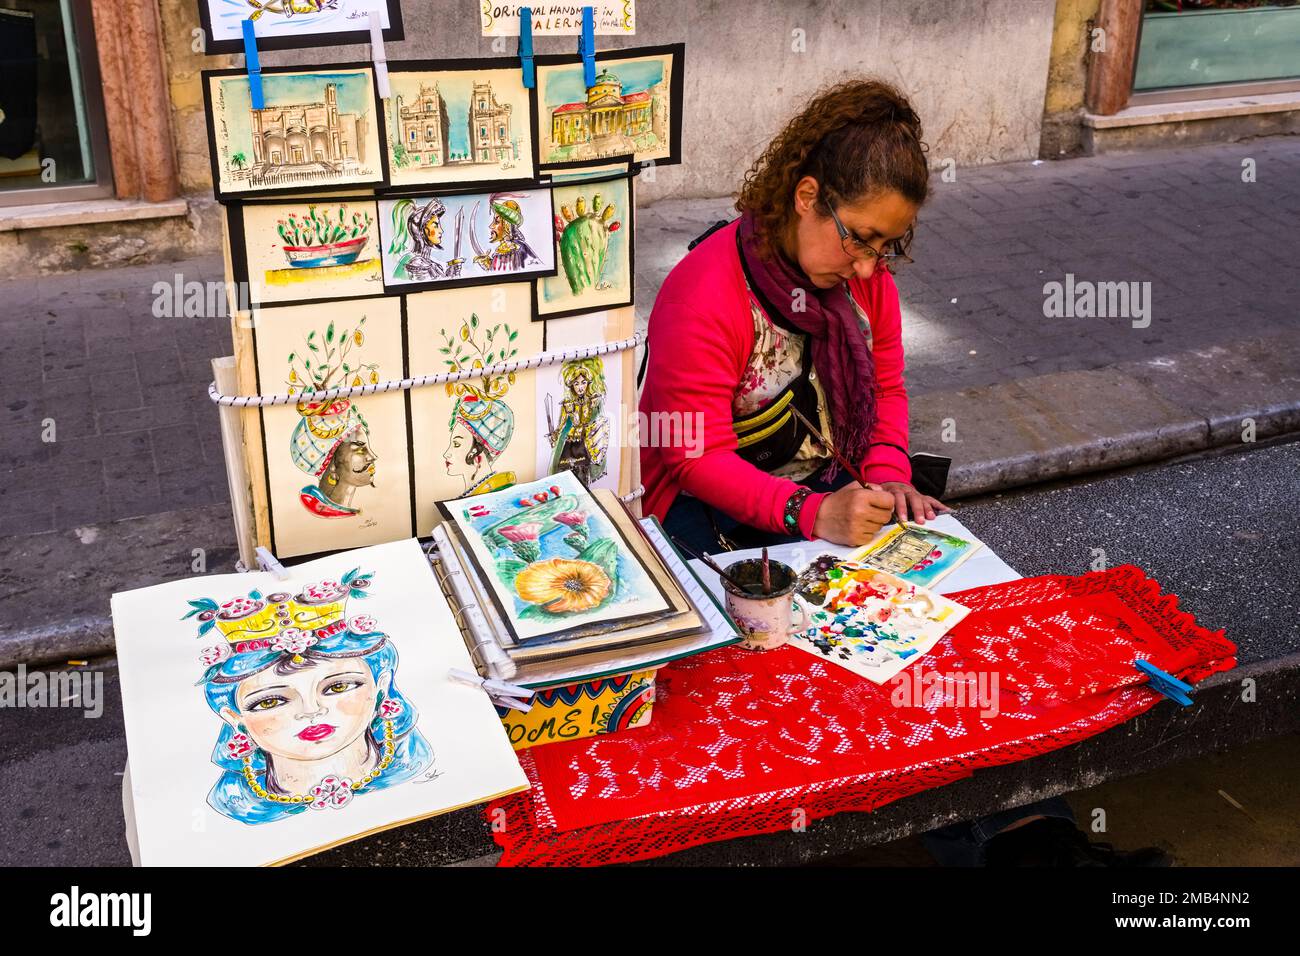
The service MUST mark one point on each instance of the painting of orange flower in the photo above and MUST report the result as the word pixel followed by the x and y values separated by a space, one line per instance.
pixel 561 585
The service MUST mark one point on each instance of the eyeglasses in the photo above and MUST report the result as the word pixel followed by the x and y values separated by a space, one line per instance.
pixel 855 248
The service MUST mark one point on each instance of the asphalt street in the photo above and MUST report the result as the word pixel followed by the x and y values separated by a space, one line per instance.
pixel 1221 532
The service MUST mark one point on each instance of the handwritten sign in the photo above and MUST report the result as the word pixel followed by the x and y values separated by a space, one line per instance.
pixel 559 19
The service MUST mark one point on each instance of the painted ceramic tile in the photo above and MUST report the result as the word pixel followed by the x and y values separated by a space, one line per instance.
pixel 338 470
pixel 478 434
pixel 318 129
pixel 593 235
pixel 483 237
pixel 552 559
pixel 459 126
pixel 290 23
pixel 312 250
pixel 629 110
pixel 919 555
pixel 581 405
pixel 321 712
pixel 876 624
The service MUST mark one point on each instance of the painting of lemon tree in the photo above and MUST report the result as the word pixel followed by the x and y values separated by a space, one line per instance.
pixel 553 559
pixel 290 24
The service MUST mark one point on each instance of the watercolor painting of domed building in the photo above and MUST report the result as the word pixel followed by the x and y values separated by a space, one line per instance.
pixel 315 130
pixel 633 109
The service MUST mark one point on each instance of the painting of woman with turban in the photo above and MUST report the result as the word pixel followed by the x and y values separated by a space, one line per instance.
pixel 311 714
pixel 481 424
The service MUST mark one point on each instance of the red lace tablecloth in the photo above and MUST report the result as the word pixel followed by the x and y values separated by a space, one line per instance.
pixel 743 743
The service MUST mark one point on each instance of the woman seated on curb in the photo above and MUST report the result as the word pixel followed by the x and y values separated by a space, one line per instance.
pixel 794 305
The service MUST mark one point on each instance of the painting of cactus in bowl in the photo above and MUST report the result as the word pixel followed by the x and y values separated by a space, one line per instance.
pixel 553 559
pixel 296 251
pixel 325 236
pixel 593 241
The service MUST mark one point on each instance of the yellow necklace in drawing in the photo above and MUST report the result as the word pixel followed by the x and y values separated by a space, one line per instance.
pixel 333 791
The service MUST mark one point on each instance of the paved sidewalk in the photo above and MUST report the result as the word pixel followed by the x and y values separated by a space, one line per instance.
pixel 136 434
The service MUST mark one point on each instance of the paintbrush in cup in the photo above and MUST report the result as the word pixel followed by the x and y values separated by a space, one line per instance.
pixel 844 462
pixel 713 565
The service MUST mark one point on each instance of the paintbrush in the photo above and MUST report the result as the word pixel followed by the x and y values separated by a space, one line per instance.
pixel 709 561
pixel 844 462
pixel 767 574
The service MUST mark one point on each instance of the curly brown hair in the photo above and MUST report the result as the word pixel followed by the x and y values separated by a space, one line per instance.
pixel 857 138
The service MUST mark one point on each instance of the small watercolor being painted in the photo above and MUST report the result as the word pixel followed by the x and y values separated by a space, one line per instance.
pixel 919 555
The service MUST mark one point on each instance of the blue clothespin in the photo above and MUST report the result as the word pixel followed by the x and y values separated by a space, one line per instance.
pixel 587 46
pixel 254 66
pixel 526 46
pixel 1165 683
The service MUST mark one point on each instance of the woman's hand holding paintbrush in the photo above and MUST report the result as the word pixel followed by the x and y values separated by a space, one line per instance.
pixel 854 516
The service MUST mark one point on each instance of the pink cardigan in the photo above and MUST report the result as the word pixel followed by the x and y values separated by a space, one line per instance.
pixel 700 339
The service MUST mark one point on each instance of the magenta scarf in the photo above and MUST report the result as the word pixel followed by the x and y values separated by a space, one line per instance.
pixel 840 352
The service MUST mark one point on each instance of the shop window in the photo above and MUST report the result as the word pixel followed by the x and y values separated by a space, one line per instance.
pixel 1187 43
pixel 53 143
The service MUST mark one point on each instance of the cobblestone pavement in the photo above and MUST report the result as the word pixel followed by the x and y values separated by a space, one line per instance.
pixel 135 433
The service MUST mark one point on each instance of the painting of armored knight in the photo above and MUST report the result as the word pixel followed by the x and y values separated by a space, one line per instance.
pixel 476 237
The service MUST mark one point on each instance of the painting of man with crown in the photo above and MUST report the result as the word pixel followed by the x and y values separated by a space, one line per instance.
pixel 311 715
pixel 331 442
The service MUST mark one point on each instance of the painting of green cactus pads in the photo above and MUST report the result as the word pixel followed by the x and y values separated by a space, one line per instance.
pixel 553 561
pixel 593 239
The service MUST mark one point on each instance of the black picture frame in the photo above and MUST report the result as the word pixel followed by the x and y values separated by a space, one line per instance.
pixel 630 221
pixel 241 271
pixel 396 31
pixel 677 52
pixel 405 288
pixel 252 317
pixel 468 64
pixel 224 196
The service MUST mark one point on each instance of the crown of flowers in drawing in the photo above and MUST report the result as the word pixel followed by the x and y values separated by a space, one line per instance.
pixel 284 622
pixel 325 362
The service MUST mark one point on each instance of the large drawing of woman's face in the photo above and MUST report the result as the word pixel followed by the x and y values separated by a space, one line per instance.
pixel 308 714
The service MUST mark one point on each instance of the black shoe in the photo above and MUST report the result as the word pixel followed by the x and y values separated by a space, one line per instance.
pixel 1057 842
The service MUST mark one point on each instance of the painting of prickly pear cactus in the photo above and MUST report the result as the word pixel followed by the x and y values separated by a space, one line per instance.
pixel 594 246
pixel 583 234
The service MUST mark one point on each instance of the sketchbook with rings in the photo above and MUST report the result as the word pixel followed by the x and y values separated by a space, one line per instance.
pixel 608 593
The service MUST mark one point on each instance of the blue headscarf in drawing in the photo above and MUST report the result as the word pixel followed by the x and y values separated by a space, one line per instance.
pixel 290 634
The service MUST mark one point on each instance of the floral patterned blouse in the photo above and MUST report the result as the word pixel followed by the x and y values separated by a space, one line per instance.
pixel 774 362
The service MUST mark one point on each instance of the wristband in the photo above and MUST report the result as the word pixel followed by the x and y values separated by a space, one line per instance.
pixel 793 506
